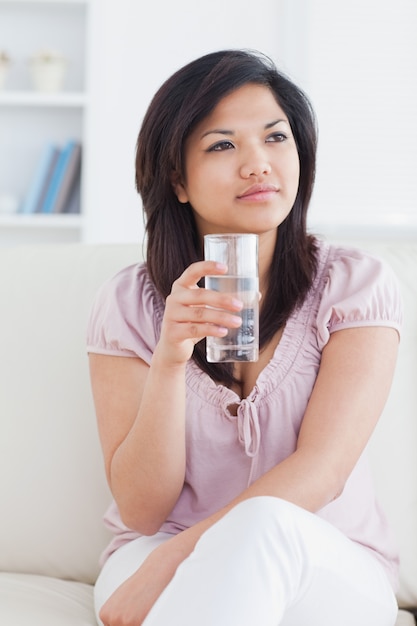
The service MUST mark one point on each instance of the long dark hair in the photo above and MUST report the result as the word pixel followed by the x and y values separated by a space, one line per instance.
pixel 185 99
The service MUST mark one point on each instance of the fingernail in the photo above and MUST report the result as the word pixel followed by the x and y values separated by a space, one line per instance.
pixel 222 330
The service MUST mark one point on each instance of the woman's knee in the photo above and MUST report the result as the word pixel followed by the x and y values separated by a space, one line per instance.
pixel 264 512
pixel 257 519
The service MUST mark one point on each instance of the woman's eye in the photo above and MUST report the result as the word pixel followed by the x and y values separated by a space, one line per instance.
pixel 277 137
pixel 220 146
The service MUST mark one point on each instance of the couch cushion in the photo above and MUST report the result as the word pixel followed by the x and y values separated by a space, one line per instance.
pixel 405 619
pixel 52 482
pixel 27 600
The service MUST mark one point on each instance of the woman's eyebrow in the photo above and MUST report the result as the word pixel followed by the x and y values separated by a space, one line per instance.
pixel 271 124
pixel 217 131
pixel 224 131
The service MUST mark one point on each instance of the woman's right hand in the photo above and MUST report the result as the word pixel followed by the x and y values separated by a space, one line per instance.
pixel 192 313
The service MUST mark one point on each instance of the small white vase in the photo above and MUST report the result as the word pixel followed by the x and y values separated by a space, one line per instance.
pixel 48 74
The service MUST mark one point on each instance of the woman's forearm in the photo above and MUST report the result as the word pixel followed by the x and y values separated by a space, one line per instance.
pixel 148 468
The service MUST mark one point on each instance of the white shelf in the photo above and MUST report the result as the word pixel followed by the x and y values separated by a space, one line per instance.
pixel 41 221
pixel 31 119
pixel 45 2
pixel 34 98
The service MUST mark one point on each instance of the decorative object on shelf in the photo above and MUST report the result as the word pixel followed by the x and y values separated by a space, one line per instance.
pixel 48 69
pixel 4 67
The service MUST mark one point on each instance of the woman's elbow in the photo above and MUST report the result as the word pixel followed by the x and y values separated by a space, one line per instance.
pixel 145 523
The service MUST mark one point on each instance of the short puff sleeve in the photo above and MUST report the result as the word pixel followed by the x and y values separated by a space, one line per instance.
pixel 126 315
pixel 360 290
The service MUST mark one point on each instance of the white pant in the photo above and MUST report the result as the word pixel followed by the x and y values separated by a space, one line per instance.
pixel 267 562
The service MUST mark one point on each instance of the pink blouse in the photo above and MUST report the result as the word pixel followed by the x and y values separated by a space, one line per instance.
pixel 226 452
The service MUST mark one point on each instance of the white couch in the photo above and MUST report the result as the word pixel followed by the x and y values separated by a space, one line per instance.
pixel 52 486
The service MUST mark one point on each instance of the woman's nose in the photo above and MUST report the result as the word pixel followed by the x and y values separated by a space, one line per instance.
pixel 255 164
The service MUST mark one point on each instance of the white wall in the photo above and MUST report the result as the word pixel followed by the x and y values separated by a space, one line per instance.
pixel 135 47
pixel 362 78
pixel 357 60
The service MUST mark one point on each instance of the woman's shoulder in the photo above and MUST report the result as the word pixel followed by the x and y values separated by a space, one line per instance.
pixel 350 266
pixel 126 314
pixel 356 288
pixel 130 289
pixel 130 281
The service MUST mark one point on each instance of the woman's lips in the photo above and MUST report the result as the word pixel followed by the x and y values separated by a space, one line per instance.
pixel 259 192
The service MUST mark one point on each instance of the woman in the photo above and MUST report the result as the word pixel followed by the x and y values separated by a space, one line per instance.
pixel 241 491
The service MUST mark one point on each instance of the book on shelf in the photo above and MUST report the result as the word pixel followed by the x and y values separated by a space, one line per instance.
pixel 68 194
pixel 64 180
pixel 36 192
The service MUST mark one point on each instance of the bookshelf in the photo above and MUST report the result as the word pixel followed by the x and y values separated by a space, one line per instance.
pixel 31 119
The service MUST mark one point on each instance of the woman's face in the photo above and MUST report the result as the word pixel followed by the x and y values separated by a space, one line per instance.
pixel 241 164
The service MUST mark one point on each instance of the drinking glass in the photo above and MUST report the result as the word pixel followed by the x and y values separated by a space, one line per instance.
pixel 240 253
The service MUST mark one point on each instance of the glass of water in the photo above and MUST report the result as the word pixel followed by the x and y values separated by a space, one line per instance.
pixel 240 253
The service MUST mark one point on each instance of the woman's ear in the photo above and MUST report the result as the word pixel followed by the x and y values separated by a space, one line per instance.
pixel 178 187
